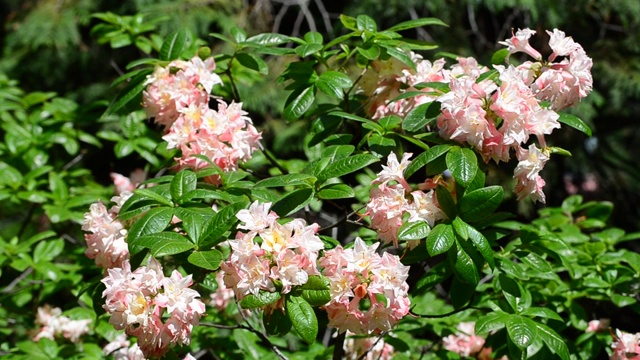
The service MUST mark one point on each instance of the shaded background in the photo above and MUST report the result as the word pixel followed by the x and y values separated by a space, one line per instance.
pixel 47 45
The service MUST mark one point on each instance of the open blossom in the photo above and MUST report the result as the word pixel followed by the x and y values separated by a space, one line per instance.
pixel 373 347
pixel 465 342
pixel 53 324
pixel 125 184
pixel 177 86
pixel 625 346
pixel 158 310
pixel 121 349
pixel 530 183
pixel 105 235
pixel 285 253
pixel 389 202
pixel 519 42
pixel 368 291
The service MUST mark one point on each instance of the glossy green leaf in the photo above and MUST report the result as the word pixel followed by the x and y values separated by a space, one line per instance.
pixel 253 62
pixel 346 166
pixel 440 239
pixel 575 122
pixel 287 180
pixel 220 223
pixel 463 165
pixel 522 331
pixel 369 122
pixel 401 55
pixel 481 244
pixel 305 50
pixel 364 22
pixel 303 318
pixel 554 341
pixel 268 39
pixel 491 322
pixel 299 102
pixel 276 323
pixel 446 202
pixel 337 152
pixel 292 202
pixel 173 46
pixel 416 23
pixel 154 221
pixel 182 183
pixel 413 230
pixel 332 83
pixel 542 312
pixel 131 94
pixel 349 22
pixel 263 298
pixel 335 191
pixel 154 196
pixel 499 57
pixel 420 116
pixel 426 157
pixel 210 259
pixel 164 243
pixel 463 264
pixel 478 204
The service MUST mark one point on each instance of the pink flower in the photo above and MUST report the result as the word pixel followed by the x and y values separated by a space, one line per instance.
pixel 368 291
pixel 530 183
pixel 625 346
pixel 54 324
pixel 465 342
pixel 121 349
pixel 374 348
pixel 257 217
pixel 386 207
pixel 597 325
pixel 394 170
pixel 519 42
pixel 105 237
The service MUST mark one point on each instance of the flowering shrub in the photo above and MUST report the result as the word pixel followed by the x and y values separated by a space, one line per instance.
pixel 326 251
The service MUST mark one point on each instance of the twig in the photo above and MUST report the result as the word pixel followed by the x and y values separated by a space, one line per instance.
pixel 325 16
pixel 234 89
pixel 421 31
pixel 474 25
pixel 16 281
pixel 345 217
pixel 26 221
pixel 364 355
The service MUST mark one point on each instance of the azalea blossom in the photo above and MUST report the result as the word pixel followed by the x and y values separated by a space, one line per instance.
pixel 53 324
pixel 369 292
pixel 626 346
pixel 375 348
pixel 464 342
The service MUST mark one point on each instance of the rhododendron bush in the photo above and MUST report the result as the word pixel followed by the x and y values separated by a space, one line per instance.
pixel 384 237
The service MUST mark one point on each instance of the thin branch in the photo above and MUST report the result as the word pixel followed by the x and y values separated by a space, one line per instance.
pixel 325 16
pixel 234 88
pixel 474 25
pixel 16 281
pixel 278 19
pixel 27 220
pixel 344 218
pixel 421 31
pixel 364 355
pixel 307 14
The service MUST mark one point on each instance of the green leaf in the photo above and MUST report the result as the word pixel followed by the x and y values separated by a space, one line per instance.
pixel 316 297
pixel 305 50
pixel 267 39
pixel 575 122
pixel 491 322
pixel 209 259
pixel 287 180
pixel 420 116
pixel 276 323
pixel 346 166
pixel 220 223
pixel 313 37
pixel 238 34
pixel 522 331
pixel 416 23
pixel 370 53
pixel 184 182
pixel 463 165
pixel 332 83
pixel 253 62
pixel 499 57
pixel 481 243
pixel 463 264
pixel 152 195
pixel 292 202
pixel 263 298
pixel 401 55
pixel 173 46
pixel 446 202
pixel 349 22
pixel 553 340
pixel 164 243
pixel 425 158
pixel 131 94
pixel 478 204
pixel 374 125
pixel 58 187
pixel 542 312
pixel 364 22
pixel 46 251
pixel 303 318
pixel 154 221
pixel 413 230
pixel 440 239
pixel 335 191
pixel 299 102
pixel 194 220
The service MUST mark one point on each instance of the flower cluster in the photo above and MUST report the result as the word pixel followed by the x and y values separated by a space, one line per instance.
pixel 374 348
pixel 106 235
pixel 125 184
pixel 495 117
pixel 389 201
pixel 137 302
pixel 465 342
pixel 368 291
pixel 626 346
pixel 121 349
pixel 270 253
pixel 177 96
pixel 54 324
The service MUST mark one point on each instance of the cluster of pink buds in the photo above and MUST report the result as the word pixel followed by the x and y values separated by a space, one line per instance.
pixel 270 256
pixel 177 96
pixel 106 235
pixel 389 202
pixel 497 117
pixel 53 324
pixel 369 292
pixel 160 311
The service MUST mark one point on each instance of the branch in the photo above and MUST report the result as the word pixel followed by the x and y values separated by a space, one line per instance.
pixel 263 337
pixel 364 355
